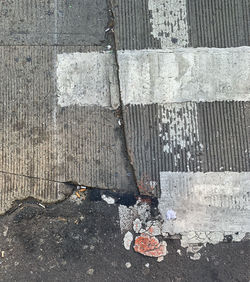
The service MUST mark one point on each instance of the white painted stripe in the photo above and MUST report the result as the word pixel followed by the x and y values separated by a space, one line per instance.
pixel 206 202
pixel 181 75
pixel 169 22
pixel 87 79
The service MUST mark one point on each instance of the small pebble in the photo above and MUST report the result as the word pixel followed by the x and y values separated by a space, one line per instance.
pixel 147 265
pixel 128 264
pixel 90 271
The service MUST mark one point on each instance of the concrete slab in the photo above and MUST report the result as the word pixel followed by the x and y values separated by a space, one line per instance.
pixel 44 144
pixel 205 202
pixel 42 22
pixel 87 79
pixel 149 24
pixel 223 23
pixel 205 136
pixel 181 75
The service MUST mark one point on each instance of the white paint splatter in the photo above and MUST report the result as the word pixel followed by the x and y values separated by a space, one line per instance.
pixel 169 22
pixel 179 130
pixel 108 200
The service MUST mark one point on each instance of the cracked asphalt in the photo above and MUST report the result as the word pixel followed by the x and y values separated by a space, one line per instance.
pixel 72 241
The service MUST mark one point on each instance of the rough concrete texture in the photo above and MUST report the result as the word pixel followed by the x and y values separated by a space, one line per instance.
pixel 221 23
pixel 210 136
pixel 44 144
pixel 87 79
pixel 133 28
pixel 43 22
pixel 149 24
pixel 205 202
pixel 169 22
pixel 165 76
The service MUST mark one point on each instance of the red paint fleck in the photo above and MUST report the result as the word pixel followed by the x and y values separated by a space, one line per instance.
pixel 150 246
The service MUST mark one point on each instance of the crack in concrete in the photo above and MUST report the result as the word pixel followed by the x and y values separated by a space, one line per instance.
pixel 120 113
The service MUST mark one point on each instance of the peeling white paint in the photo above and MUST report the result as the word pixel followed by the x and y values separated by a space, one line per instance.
pixel 178 130
pixel 140 211
pixel 87 79
pixel 169 22
pixel 209 206
pixel 182 75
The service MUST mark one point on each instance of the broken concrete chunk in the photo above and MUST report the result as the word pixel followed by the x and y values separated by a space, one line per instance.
pixel 150 246
pixel 137 225
pixel 153 228
pixel 196 256
pixel 127 240
pixel 108 200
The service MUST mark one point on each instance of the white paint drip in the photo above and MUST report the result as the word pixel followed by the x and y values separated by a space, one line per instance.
pixel 183 75
pixel 169 22
pixel 87 79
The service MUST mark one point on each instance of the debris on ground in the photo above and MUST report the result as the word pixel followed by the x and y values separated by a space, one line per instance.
pixel 90 271
pixel 150 246
pixel 108 200
pixel 127 240
pixel 128 264
pixel 196 256
pixel 171 215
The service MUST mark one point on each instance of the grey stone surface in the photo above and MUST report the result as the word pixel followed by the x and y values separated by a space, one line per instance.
pixel 218 23
pixel 206 202
pixel 205 136
pixel 149 24
pixel 44 144
pixel 43 22
pixel 87 79
pixel 182 75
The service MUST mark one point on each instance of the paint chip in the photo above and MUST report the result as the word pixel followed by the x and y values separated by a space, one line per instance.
pixel 127 240
pixel 137 225
pixel 150 246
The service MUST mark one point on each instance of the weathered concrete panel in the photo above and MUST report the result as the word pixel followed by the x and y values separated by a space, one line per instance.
pixel 206 202
pixel 183 137
pixel 181 75
pixel 87 79
pixel 48 143
pixel 34 22
pixel 133 29
pixel 218 23
pixel 149 24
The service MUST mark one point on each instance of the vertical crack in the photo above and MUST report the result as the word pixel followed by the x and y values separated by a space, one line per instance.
pixel 120 110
